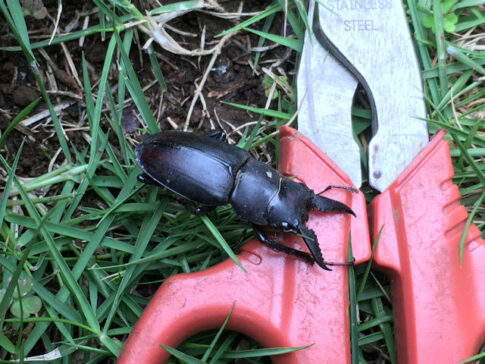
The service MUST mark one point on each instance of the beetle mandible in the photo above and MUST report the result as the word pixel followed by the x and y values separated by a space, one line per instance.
pixel 211 172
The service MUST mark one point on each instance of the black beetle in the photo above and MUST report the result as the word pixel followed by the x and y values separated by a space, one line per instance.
pixel 210 172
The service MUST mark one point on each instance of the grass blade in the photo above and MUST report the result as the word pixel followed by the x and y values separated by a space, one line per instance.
pixel 354 335
pixel 16 120
pixel 184 358
pixel 265 13
pixel 295 44
pixel 222 242
pixel 218 335
pixel 65 272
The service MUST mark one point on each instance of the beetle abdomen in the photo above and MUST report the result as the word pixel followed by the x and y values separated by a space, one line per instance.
pixel 256 185
pixel 199 168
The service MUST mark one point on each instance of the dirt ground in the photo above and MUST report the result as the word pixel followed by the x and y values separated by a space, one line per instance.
pixel 232 79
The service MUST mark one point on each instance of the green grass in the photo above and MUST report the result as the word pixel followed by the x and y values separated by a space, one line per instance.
pixel 87 261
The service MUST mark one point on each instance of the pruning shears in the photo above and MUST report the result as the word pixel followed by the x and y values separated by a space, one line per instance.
pixel 439 306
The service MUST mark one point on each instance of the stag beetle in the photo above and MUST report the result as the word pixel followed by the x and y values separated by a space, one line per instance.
pixel 211 172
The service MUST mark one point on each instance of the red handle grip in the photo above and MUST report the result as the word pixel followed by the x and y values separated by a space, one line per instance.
pixel 281 301
pixel 439 305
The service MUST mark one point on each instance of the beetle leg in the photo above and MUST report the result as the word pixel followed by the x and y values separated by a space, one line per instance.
pixel 241 242
pixel 258 231
pixel 217 134
pixel 347 264
pixel 202 210
pixel 324 204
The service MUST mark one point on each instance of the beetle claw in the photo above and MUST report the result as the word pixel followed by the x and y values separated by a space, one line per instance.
pixel 324 204
pixel 311 241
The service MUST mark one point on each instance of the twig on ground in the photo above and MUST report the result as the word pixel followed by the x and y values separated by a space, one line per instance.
pixel 56 23
pixel 44 114
pixel 217 50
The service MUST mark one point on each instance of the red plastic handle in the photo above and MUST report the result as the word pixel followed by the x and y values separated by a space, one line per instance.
pixel 439 305
pixel 281 301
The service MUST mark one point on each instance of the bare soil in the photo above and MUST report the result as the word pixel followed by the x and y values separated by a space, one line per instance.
pixel 232 79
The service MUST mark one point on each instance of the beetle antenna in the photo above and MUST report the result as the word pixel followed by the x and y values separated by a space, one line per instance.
pixel 350 189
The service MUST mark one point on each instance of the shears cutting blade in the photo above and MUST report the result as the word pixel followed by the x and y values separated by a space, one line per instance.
pixel 370 45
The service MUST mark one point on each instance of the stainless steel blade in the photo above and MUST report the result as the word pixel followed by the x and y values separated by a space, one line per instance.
pixel 372 40
pixel 325 92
